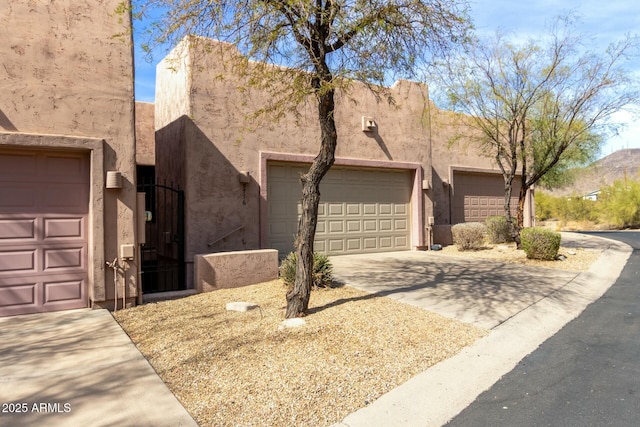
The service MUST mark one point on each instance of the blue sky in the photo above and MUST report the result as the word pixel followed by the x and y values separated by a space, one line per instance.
pixel 607 21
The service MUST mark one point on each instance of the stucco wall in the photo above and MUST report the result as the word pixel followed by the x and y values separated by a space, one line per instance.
pixel 63 73
pixel 235 269
pixel 145 134
pixel 220 143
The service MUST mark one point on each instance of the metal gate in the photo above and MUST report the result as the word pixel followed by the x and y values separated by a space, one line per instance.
pixel 163 266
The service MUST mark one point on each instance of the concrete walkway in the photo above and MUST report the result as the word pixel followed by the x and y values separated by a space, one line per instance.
pixel 78 368
pixel 522 306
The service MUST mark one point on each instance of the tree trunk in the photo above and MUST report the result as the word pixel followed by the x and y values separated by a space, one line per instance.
pixel 508 189
pixel 298 297
pixel 522 197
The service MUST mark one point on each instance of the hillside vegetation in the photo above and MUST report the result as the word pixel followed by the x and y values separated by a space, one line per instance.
pixel 617 206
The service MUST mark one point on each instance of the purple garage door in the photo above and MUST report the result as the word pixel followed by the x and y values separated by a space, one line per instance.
pixel 477 196
pixel 44 201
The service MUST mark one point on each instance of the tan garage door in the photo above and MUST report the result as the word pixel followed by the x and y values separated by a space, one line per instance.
pixel 44 200
pixel 478 196
pixel 361 210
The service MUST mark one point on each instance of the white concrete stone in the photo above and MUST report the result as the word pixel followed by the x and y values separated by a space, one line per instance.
pixel 292 323
pixel 241 306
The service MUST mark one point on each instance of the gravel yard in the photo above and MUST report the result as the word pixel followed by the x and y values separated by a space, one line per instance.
pixel 242 369
pixel 575 259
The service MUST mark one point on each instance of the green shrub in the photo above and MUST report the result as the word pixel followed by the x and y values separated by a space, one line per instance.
pixel 322 270
pixel 540 243
pixel 498 230
pixel 469 235
pixel 620 203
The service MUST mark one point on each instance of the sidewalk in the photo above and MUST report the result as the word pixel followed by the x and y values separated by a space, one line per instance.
pixel 435 396
pixel 78 368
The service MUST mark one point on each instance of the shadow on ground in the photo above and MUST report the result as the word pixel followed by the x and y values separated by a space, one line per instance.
pixel 482 292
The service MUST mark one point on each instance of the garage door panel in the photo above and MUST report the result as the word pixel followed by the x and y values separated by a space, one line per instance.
pixel 43 232
pixel 18 261
pixel 385 225
pixel 63 258
pixel 401 225
pixel 17 295
pixel 14 230
pixel 354 226
pixel 354 209
pixel 354 245
pixel 63 291
pixel 63 228
pixel 336 245
pixel 369 209
pixel 370 225
pixel 335 209
pixel 335 227
pixel 356 206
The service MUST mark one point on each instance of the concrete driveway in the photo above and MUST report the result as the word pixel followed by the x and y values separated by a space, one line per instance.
pixel 79 368
pixel 485 293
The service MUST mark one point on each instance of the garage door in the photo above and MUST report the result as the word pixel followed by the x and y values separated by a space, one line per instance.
pixel 479 196
pixel 361 210
pixel 44 201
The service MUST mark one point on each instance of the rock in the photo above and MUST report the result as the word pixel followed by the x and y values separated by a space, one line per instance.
pixel 502 248
pixel 561 257
pixel 241 306
pixel 571 252
pixel 296 322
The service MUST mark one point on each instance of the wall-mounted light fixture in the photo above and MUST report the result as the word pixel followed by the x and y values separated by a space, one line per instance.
pixel 368 124
pixel 114 180
pixel 244 177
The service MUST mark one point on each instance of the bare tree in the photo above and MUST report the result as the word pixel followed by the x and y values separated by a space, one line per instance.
pixel 538 105
pixel 321 44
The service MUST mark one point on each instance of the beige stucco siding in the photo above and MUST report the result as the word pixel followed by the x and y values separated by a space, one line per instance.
pixel 145 134
pixel 67 83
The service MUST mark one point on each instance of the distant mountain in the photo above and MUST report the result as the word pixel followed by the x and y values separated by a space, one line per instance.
pixel 603 172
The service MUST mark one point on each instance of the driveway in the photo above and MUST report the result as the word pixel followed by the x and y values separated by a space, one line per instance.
pixel 79 368
pixel 495 294
pixel 485 293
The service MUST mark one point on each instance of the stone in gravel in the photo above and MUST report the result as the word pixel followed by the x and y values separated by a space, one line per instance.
pixel 502 248
pixel 571 252
pixel 296 322
pixel 241 306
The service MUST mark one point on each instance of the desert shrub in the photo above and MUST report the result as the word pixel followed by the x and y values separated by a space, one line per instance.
pixel 577 208
pixel 540 243
pixel 469 235
pixel 322 270
pixel 546 206
pixel 498 230
pixel 620 203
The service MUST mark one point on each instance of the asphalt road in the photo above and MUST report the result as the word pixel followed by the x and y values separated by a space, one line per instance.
pixel 588 374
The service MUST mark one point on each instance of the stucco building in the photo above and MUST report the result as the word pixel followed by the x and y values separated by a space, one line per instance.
pixel 66 119
pixel 88 177
pixel 397 184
